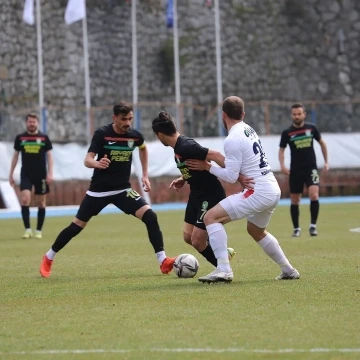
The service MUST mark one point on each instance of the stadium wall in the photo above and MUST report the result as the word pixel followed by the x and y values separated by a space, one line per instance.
pixel 284 50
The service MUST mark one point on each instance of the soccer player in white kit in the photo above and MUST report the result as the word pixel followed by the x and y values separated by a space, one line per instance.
pixel 243 155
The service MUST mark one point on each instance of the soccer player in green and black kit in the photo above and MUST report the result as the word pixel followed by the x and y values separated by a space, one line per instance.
pixel 113 144
pixel 35 148
pixel 205 189
pixel 303 168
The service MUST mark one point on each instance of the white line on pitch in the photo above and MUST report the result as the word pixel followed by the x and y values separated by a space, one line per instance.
pixel 188 350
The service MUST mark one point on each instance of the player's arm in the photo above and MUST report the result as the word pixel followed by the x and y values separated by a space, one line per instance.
pixel 325 154
pixel 217 157
pixel 233 161
pixel 284 169
pixel 91 163
pixel 50 164
pixel 283 142
pixel 14 161
pixel 144 160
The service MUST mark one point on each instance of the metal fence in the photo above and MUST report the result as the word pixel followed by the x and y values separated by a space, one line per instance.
pixel 266 117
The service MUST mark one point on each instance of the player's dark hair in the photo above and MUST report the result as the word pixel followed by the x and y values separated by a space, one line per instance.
pixel 297 106
pixel 122 108
pixel 164 124
pixel 234 107
pixel 32 115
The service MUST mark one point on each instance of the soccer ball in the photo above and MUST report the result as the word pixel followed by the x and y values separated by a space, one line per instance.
pixel 186 266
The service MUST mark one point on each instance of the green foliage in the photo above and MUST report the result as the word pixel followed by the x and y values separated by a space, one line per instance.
pixel 107 292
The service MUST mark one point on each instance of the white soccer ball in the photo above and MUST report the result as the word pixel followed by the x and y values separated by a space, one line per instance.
pixel 186 266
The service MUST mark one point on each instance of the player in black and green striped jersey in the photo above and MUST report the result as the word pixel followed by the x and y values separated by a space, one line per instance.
pixel 36 171
pixel 113 145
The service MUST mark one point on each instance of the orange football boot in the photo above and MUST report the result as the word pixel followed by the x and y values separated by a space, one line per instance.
pixel 45 267
pixel 167 265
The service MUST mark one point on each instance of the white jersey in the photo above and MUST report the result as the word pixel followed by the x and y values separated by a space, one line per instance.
pixel 244 155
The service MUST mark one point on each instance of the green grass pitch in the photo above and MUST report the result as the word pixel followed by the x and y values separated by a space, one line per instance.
pixel 106 298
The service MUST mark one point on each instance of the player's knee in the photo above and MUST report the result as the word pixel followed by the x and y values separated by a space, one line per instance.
pixel 187 238
pixel 209 218
pixel 41 203
pixel 255 232
pixel 149 217
pixel 295 199
pixel 25 201
pixel 314 197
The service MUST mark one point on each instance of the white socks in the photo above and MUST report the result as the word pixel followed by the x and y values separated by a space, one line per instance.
pixel 272 248
pixel 51 254
pixel 160 256
pixel 218 242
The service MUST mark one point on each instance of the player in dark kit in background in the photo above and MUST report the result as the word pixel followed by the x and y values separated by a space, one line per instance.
pixel 35 148
pixel 303 168
pixel 205 189
pixel 113 144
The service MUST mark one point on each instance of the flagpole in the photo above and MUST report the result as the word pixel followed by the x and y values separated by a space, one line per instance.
pixel 134 63
pixel 218 67
pixel 136 161
pixel 40 66
pixel 179 119
pixel 87 78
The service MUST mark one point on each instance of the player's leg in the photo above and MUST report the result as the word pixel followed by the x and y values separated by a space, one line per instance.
pixel 197 234
pixel 41 189
pixel 214 220
pixel 256 227
pixel 25 199
pixel 89 207
pixel 296 185
pixel 312 182
pixel 131 202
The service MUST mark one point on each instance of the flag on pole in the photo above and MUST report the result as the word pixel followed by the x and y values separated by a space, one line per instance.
pixel 170 14
pixel 28 14
pixel 75 11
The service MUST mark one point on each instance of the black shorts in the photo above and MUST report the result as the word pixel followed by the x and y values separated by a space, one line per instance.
pixel 128 201
pixel 198 205
pixel 297 179
pixel 39 183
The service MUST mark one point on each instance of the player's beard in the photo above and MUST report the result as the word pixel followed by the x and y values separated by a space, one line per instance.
pixel 298 122
pixel 32 129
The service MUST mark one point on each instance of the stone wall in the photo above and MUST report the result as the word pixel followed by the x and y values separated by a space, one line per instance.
pixel 271 50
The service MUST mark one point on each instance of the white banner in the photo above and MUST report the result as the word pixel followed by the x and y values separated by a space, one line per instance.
pixel 343 149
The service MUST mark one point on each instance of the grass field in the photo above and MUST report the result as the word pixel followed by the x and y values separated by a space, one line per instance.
pixel 107 299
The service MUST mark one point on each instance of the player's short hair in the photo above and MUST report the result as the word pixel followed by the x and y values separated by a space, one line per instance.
pixel 122 108
pixel 297 106
pixel 234 107
pixel 31 115
pixel 164 124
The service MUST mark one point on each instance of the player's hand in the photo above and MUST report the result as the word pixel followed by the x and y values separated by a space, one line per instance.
pixel 246 182
pixel 326 168
pixel 11 181
pixel 285 170
pixel 198 164
pixel 103 163
pixel 146 183
pixel 49 179
pixel 177 184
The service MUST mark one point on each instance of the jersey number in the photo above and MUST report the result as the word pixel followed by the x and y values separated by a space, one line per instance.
pixel 258 149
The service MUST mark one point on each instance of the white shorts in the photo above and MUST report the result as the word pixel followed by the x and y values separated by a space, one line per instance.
pixel 256 206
